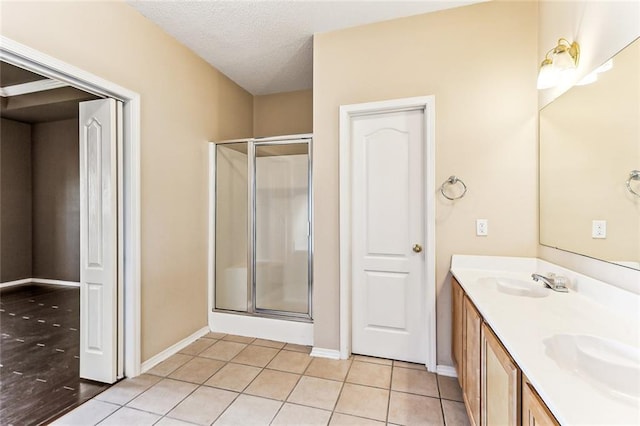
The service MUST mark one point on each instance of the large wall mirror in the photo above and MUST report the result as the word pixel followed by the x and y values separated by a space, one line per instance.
pixel 589 150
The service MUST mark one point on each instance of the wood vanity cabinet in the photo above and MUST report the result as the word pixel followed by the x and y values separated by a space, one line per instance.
pixel 457 318
pixel 534 410
pixel 471 363
pixel 494 390
pixel 500 378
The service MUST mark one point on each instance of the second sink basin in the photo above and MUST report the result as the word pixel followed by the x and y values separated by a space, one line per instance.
pixel 606 363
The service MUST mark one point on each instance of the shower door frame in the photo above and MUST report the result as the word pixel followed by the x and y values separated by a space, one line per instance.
pixel 252 310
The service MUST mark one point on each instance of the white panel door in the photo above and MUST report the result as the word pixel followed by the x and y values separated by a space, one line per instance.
pixel 98 241
pixel 388 299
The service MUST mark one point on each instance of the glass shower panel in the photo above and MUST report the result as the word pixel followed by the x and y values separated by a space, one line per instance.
pixel 231 227
pixel 282 227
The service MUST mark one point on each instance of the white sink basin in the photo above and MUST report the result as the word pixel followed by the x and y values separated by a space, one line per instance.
pixel 606 363
pixel 517 287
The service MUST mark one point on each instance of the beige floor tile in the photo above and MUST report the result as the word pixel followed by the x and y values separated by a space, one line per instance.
pixel 203 406
pixel 314 392
pixel 334 369
pixel 454 413
pixel 169 365
pixel 223 350
pixel 258 356
pixel 166 421
pixel 214 335
pixel 297 348
pixel 372 359
pixel 293 362
pixel 269 343
pixel 273 384
pixel 89 413
pixel 409 365
pixel 129 416
pixel 162 396
pixel 233 377
pixel 291 414
pixel 127 389
pixel 198 346
pixel 238 339
pixel 363 401
pixel 408 409
pixel 249 410
pixel 449 388
pixel 368 374
pixel 338 419
pixel 415 381
pixel 198 370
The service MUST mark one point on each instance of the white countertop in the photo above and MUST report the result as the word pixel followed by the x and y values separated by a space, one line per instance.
pixel 523 323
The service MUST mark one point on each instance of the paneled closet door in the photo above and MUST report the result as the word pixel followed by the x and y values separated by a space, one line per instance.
pixel 98 241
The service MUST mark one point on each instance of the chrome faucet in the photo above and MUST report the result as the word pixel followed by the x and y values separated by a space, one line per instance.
pixel 553 281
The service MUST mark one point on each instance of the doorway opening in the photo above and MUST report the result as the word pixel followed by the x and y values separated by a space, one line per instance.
pixel 67 78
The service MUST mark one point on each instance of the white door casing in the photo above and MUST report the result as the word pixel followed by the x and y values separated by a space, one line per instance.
pixel 98 241
pixel 393 190
pixel 387 206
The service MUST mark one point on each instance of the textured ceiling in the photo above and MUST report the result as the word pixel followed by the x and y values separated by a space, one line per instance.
pixel 266 45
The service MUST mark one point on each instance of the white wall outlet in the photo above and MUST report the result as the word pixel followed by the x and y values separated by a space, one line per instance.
pixel 599 229
pixel 482 227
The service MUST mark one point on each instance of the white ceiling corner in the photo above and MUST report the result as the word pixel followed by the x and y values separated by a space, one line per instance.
pixel 266 46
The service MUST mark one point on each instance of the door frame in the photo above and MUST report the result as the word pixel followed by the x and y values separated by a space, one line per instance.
pixel 347 112
pixel 41 63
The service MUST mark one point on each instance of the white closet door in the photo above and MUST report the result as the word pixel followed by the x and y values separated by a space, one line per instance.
pixel 98 241
pixel 388 231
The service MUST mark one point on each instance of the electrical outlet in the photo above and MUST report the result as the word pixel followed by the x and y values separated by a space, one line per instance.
pixel 482 227
pixel 599 229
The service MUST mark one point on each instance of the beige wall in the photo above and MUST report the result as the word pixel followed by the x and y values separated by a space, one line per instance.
pixel 602 29
pixel 184 103
pixel 15 199
pixel 480 63
pixel 56 200
pixel 279 114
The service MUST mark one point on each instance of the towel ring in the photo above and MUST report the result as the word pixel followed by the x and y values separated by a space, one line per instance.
pixel 633 175
pixel 452 181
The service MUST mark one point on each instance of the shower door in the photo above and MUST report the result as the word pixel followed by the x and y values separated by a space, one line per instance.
pixel 263 241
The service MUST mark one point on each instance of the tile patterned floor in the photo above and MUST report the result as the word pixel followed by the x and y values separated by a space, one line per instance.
pixel 233 380
pixel 39 354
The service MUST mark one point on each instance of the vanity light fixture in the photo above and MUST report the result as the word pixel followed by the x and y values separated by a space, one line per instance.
pixel 559 64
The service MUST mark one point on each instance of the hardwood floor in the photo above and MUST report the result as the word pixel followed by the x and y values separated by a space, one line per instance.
pixel 39 354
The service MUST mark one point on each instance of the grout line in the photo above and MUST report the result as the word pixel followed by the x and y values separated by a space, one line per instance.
pixel 389 398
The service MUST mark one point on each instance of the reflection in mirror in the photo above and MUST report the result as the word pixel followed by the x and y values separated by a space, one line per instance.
pixel 589 145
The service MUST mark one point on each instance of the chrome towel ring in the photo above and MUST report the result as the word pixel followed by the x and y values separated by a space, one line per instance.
pixel 452 181
pixel 633 175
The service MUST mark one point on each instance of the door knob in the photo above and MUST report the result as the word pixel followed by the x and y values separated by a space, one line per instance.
pixel 417 248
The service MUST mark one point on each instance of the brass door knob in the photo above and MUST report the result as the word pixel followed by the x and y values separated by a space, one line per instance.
pixel 417 248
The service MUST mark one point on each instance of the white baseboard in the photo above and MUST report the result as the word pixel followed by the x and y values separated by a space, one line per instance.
pixel 171 350
pixel 446 370
pixel 41 281
pixel 16 282
pixel 325 353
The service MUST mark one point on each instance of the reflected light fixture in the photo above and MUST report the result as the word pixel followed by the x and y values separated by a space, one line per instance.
pixel 559 64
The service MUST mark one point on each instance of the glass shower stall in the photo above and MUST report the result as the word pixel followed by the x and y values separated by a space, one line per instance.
pixel 263 227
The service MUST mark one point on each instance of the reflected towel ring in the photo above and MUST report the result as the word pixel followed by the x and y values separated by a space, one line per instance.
pixel 633 175
pixel 452 181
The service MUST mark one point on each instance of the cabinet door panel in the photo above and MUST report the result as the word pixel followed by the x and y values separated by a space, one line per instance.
pixel 500 383
pixel 471 364
pixel 457 310
pixel 534 410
